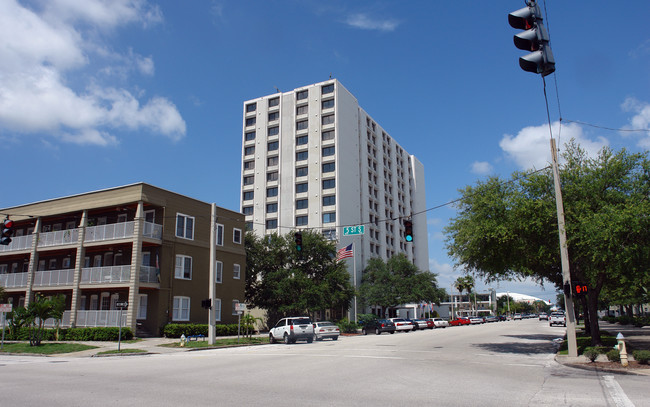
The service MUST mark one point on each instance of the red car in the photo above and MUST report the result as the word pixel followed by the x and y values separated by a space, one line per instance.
pixel 459 321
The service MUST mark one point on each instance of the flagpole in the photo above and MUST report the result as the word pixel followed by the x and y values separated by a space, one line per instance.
pixel 354 279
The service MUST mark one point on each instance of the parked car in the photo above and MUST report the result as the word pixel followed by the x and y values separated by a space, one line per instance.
pixel 289 330
pixel 476 320
pixel 491 318
pixel 421 324
pixel 543 315
pixel 459 321
pixel 402 325
pixel 378 326
pixel 557 318
pixel 326 329
pixel 439 322
pixel 517 316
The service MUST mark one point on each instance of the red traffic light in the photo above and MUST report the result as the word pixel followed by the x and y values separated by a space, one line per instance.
pixel 7 231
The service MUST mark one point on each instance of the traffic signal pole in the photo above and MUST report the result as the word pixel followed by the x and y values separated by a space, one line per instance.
pixel 564 255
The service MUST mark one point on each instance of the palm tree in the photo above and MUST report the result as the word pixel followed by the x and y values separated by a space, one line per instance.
pixel 465 283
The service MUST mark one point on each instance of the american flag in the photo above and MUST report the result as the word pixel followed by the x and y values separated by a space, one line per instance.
pixel 344 252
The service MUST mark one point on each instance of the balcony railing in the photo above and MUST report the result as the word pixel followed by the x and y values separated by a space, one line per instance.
pixel 18 243
pixel 121 230
pixel 59 237
pixel 152 230
pixel 149 274
pixel 12 280
pixel 53 278
pixel 90 319
pixel 106 275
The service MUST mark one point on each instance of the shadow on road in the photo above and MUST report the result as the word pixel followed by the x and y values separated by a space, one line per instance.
pixel 536 337
pixel 543 344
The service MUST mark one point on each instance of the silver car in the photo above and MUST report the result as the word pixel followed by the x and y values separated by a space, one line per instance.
pixel 289 330
pixel 326 329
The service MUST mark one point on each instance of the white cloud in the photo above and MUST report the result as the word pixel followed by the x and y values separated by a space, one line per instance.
pixel 530 148
pixel 481 167
pixel 640 120
pixel 43 54
pixel 365 22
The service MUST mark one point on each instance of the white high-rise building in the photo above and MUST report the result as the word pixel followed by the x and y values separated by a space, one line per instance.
pixel 314 159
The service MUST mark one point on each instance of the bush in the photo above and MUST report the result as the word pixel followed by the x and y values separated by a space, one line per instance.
pixel 642 356
pixel 77 334
pixel 591 353
pixel 176 330
pixel 624 320
pixel 347 327
pixel 614 356
pixel 365 318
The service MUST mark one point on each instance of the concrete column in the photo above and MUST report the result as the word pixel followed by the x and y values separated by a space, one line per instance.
pixel 78 265
pixel 136 260
pixel 33 263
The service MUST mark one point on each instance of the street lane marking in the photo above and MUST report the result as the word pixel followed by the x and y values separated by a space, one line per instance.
pixel 616 392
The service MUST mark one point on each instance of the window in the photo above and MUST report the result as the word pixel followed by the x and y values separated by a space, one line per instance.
pixel 301 220
pixel 301 155
pixel 236 271
pixel 248 195
pixel 328 151
pixel 272 224
pixel 219 234
pixel 271 192
pixel 329 234
pixel 329 217
pixel 273 146
pixel 251 107
pixel 302 172
pixel 302 140
pixel 327 135
pixel 302 204
pixel 250 150
pixel 250 121
pixel 272 208
pixel 272 161
pixel 329 183
pixel 218 272
pixel 250 135
pixel 181 309
pixel 328 89
pixel 66 263
pixel 183 269
pixel 327 104
pixel 272 176
pixel 249 165
pixel 302 187
pixel 329 167
pixel 236 236
pixel 249 180
pixel 273 131
pixel 247 210
pixel 302 110
pixel 52 266
pixel 329 200
pixel 274 102
pixel 302 125
pixel 329 119
pixel 142 306
pixel 273 116
pixel 302 95
pixel 184 226
pixel 217 309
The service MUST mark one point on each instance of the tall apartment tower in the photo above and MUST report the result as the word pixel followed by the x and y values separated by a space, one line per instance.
pixel 312 158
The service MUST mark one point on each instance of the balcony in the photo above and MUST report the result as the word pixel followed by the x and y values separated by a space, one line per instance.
pixel 90 319
pixel 122 230
pixel 149 274
pixel 52 278
pixel 106 275
pixel 18 243
pixel 13 280
pixel 152 230
pixel 57 238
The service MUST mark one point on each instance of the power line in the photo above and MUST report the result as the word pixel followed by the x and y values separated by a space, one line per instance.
pixel 602 127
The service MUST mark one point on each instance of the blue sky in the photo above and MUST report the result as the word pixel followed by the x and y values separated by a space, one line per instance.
pixel 97 94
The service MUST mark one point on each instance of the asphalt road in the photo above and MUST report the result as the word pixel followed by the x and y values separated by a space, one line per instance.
pixel 499 364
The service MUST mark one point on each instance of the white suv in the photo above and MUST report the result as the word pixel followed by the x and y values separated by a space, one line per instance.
pixel 291 329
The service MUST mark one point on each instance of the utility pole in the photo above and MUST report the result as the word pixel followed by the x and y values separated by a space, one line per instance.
pixel 212 275
pixel 564 255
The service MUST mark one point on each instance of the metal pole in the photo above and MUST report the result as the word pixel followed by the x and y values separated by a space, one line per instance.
pixel 354 279
pixel 2 344
pixel 564 255
pixel 119 335
pixel 212 276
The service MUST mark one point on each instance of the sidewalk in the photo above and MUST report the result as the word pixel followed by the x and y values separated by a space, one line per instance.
pixel 635 339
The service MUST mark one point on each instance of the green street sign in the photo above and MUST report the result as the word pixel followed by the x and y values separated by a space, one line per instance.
pixel 354 230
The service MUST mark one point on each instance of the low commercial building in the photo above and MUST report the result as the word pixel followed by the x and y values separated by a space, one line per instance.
pixel 138 244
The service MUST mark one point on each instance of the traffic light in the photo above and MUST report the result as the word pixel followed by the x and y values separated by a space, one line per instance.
pixel 579 289
pixel 207 303
pixel 534 39
pixel 298 239
pixel 7 231
pixel 408 230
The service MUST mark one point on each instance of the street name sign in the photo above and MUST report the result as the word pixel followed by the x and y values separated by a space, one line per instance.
pixel 354 230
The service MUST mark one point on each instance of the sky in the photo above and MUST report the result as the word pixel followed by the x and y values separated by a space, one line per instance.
pixel 102 93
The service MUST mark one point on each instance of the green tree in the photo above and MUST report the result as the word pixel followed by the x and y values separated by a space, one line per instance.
pixel 465 283
pixel 284 281
pixel 397 281
pixel 507 230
